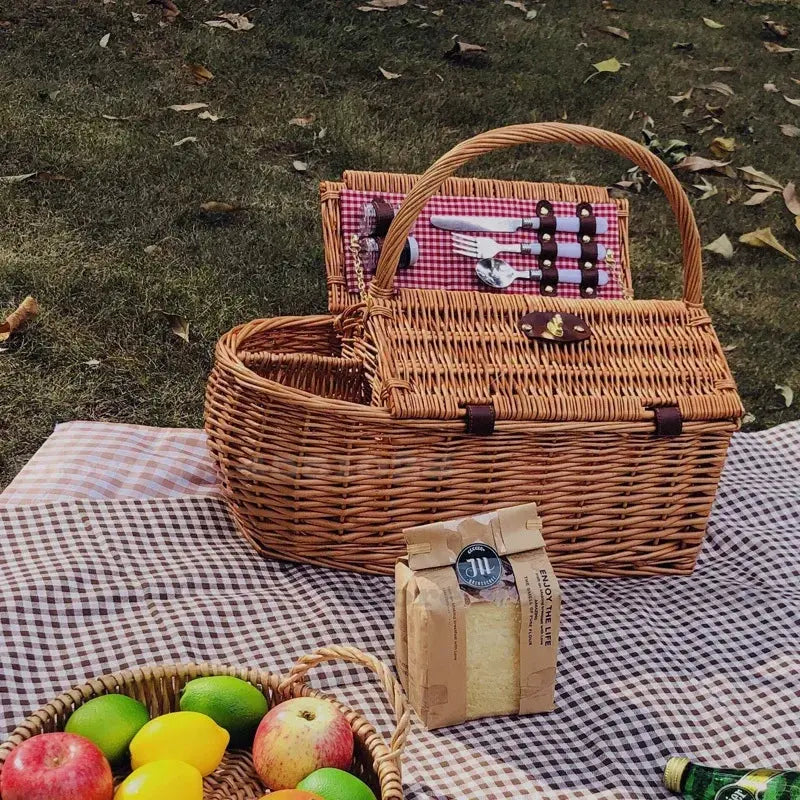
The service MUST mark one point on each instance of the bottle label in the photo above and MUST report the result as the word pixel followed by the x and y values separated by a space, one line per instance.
pixel 749 787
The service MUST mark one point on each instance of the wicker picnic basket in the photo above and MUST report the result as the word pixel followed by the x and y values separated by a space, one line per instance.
pixel 334 433
pixel 375 762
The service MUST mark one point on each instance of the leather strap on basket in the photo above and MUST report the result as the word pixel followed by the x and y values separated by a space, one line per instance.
pixel 480 419
pixel 587 228
pixel 546 235
pixel 669 421
pixel 382 286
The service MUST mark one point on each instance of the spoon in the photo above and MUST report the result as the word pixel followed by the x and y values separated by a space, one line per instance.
pixel 500 274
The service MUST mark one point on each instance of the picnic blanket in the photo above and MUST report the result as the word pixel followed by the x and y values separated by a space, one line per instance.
pixel 706 665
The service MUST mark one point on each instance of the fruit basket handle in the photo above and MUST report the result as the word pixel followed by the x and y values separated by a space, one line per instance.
pixel 542 132
pixel 394 691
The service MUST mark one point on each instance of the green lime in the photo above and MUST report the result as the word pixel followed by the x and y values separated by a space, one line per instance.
pixel 336 784
pixel 110 721
pixel 233 704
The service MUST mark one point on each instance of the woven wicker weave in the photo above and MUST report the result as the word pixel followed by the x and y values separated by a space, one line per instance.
pixel 333 434
pixel 339 298
pixel 375 762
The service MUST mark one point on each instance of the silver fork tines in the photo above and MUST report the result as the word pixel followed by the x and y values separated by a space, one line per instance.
pixel 479 247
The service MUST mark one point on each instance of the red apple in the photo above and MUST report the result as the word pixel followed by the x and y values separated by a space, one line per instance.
pixel 56 766
pixel 298 737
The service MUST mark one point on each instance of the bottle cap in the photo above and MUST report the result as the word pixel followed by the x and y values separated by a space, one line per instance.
pixel 673 772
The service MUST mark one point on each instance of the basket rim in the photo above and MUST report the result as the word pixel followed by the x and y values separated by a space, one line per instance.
pixel 286 688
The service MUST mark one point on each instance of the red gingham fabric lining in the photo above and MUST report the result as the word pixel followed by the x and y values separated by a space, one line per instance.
pixel 439 268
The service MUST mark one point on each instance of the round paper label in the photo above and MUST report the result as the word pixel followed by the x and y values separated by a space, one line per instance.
pixel 478 566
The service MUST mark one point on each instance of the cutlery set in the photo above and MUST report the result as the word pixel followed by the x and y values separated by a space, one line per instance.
pixel 494 271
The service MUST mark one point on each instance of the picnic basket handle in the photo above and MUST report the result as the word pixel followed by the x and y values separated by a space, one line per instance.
pixel 394 692
pixel 541 132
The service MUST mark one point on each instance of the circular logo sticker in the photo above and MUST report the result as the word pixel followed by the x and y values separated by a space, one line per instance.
pixel 478 566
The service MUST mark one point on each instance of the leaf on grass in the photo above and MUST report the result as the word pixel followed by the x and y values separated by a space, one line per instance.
pixel 778 29
pixel 178 325
pixel 721 146
pixel 188 107
pixel 231 21
pixel 104 40
pixel 720 87
pixel 759 197
pixel 138 17
pixel 679 98
pixel 94 363
pixel 706 189
pixel 770 87
pixel 721 246
pixel 764 237
pixel 15 321
pixel 438 13
pixel 532 14
pixel 774 47
pixel 723 69
pixel 791 199
pixel 386 3
pixel 118 119
pixel 761 177
pixel 460 49
pixel 370 8
pixel 300 166
pixel 790 130
pixel 748 418
pixel 795 101
pixel 390 76
pixel 710 23
pixel 200 73
pixel 787 392
pixel 302 122
pixel 185 140
pixel 209 116
pixel 699 163
pixel 516 4
pixel 17 178
pixel 169 11
pixel 613 31
pixel 216 207
pixel 151 248
pixel 609 65
pixel 729 348
pixel 608 5
pixel 683 45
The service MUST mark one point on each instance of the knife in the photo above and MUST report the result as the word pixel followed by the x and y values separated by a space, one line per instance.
pixel 509 224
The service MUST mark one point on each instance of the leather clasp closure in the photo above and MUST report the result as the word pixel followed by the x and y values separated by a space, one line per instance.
pixel 554 326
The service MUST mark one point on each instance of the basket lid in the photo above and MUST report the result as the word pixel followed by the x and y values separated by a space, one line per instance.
pixel 553 359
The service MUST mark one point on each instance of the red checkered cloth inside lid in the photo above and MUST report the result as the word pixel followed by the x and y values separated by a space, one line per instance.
pixel 439 267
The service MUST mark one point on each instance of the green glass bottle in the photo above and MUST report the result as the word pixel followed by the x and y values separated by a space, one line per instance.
pixel 696 782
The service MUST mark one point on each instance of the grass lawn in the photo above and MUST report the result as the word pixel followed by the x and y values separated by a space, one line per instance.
pixel 119 242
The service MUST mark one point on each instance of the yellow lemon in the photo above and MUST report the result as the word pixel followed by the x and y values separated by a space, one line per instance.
pixel 185 736
pixel 158 780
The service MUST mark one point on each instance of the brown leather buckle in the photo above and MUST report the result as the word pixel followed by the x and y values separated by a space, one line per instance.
pixel 546 236
pixel 480 419
pixel 588 267
pixel 547 219
pixel 587 225
pixel 669 421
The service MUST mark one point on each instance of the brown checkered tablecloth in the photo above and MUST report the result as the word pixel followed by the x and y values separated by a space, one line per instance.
pixel 707 665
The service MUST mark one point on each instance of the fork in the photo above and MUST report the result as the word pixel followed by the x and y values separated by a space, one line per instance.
pixel 484 247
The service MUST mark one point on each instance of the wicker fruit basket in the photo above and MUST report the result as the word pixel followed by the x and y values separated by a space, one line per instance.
pixel 334 433
pixel 375 762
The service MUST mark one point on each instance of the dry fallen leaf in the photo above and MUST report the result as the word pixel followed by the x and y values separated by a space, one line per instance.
pixel 729 348
pixel 778 29
pixel 138 17
pixel 370 8
pixel 209 116
pixel 386 3
pixel 790 130
pixel 706 189
pixel 104 40
pixel 774 47
pixel 770 87
pixel 302 122
pixel 795 101
pixel 679 98
pixel 94 363
pixel 697 163
pixel 17 178
pixel 516 4
pixel 613 31
pixel 23 314
pixel 791 199
pixel 759 197
pixel 185 140
pixel 216 207
pixel 748 418
pixel 200 73
pixel 438 13
pixel 721 246
pixel 231 21
pixel 761 177
pixel 300 166
pixel 111 116
pixel 188 107
pixel 169 11
pixel 719 86
pixel 787 392
pixel 710 23
pixel 764 237
pixel 390 76
pixel 178 325
pixel 722 146
pixel 460 48
pixel 723 69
